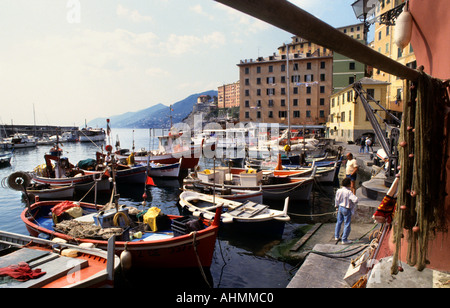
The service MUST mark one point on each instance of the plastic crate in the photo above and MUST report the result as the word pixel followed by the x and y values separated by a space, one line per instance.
pixel 185 225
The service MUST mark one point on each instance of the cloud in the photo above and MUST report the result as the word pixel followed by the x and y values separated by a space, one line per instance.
pixel 132 15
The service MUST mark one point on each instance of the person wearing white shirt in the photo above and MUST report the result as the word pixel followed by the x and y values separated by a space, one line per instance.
pixel 346 203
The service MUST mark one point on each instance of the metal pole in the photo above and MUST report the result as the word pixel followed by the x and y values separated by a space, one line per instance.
pixel 287 16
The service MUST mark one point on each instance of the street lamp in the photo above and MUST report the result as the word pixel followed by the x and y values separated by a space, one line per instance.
pixel 363 9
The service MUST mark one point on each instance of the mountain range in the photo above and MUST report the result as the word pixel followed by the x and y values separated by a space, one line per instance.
pixel 156 116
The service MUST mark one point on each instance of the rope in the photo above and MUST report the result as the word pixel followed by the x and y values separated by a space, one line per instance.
pixel 91 141
pixel 313 215
pixel 194 243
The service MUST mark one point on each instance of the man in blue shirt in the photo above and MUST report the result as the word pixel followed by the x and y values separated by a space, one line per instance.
pixel 346 203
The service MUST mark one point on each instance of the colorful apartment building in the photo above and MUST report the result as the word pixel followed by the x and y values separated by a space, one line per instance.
pixel 228 95
pixel 274 88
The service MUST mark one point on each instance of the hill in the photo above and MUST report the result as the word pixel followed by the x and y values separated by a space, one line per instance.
pixel 157 116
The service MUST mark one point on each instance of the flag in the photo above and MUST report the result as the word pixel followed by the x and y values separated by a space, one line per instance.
pixel 150 181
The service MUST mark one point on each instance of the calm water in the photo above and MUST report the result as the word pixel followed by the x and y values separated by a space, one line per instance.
pixel 239 262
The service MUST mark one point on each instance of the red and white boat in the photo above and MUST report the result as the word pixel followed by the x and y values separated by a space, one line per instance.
pixel 161 249
pixel 31 262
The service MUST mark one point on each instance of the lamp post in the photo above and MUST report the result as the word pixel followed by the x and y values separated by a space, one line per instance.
pixel 363 9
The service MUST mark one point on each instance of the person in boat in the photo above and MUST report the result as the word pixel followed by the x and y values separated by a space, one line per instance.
pixel 351 171
pixel 345 202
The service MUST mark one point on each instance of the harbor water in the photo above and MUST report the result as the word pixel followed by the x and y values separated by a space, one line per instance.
pixel 239 261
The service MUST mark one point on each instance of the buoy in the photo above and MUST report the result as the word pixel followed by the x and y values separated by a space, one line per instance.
pixel 403 29
pixel 125 259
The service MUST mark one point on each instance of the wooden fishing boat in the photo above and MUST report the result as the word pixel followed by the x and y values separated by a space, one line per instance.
pixel 162 249
pixel 273 187
pixel 47 192
pixel 47 264
pixel 22 181
pixel 65 174
pixel 246 216
pixel 225 193
pixel 164 170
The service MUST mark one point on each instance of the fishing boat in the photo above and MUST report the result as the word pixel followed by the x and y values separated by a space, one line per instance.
pixel 225 193
pixel 326 174
pixel 124 173
pixel 164 170
pixel 22 181
pixel 64 173
pixel 30 262
pixel 170 149
pixel 166 247
pixel 273 187
pixel 245 216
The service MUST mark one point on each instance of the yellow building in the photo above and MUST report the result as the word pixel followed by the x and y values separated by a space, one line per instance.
pixel 228 95
pixel 348 121
pixel 384 44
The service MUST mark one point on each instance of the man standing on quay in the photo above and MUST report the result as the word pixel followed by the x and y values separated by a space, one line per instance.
pixel 351 171
pixel 346 203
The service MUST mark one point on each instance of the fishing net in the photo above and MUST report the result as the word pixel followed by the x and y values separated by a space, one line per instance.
pixel 81 229
pixel 423 155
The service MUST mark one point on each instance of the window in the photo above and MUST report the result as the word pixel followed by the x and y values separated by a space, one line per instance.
pixel 283 91
pixel 351 66
pixel 247 115
pixel 270 114
pixel 295 67
pixel 308 65
pixel 282 114
pixel 283 67
pixel 270 102
pixel 322 64
pixel 295 90
pixel 322 113
pixel 308 90
pixel 322 77
pixel 322 102
pixel 258 69
pixel 258 92
pixel 258 103
pixel 283 102
pixel 308 102
pixel 283 79
pixel 270 80
pixel 296 114
pixel 258 80
pixel 247 92
pixel 270 91
pixel 295 78
pixel 351 80
pixel 247 81
pixel 322 89
pixel 270 68
pixel 343 116
pixel 295 102
pixel 309 77
pixel 247 103
pixel 371 92
pixel 247 71
pixel 258 114
pixel 387 47
pixel 379 36
pixel 349 115
pixel 308 113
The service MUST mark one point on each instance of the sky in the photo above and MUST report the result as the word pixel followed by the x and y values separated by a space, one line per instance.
pixel 64 62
